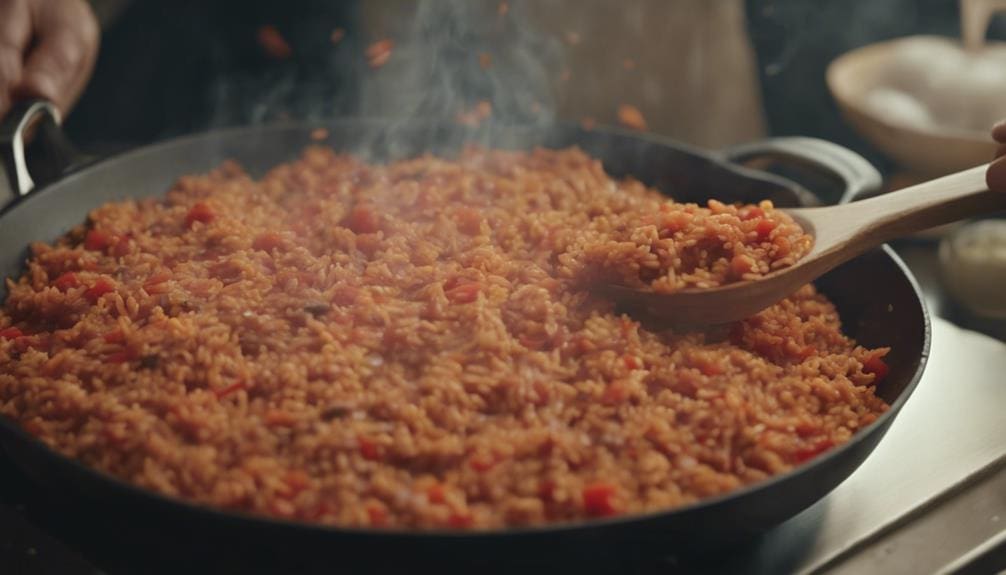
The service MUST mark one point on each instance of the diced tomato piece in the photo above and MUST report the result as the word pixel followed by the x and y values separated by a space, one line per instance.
pixel 317 511
pixel 11 333
pixel 363 219
pixel 740 265
pixel 782 246
pixel 100 288
pixel 121 247
pixel 39 341
pixel 377 515
pixel 464 293
pixel 369 449
pixel 66 281
pixel 806 453
pixel 267 241
pixel 877 367
pixel 482 462
pixel 154 283
pixel 615 393
pixel 631 117
pixel 345 295
pixel 764 229
pixel 532 342
pixel 296 480
pixel 631 362
pixel 460 520
pixel 469 220
pixel 807 429
pixel 436 493
pixel 368 243
pixel 200 212
pixel 232 388
pixel 282 508
pixel 273 43
pixel 675 222
pixel 115 336
pixel 751 212
pixel 599 499
pixel 118 357
pixel 546 490
pixel 279 418
pixel 708 368
pixel 97 240
pixel 379 52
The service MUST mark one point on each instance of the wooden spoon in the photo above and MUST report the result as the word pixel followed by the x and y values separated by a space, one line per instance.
pixel 840 234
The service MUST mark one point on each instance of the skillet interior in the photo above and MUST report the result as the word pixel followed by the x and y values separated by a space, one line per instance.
pixel 877 299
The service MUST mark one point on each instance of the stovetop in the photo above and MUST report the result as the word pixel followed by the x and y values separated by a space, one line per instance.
pixel 931 498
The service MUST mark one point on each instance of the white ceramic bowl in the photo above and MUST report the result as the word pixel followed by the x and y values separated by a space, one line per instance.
pixel 911 137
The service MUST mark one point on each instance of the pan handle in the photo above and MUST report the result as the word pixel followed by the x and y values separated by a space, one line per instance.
pixel 60 156
pixel 858 176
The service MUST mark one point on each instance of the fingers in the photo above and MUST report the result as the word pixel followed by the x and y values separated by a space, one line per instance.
pixel 999 132
pixel 59 65
pixel 1000 151
pixel 15 32
pixel 995 177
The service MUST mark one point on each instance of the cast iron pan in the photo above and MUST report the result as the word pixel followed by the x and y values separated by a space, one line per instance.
pixel 878 300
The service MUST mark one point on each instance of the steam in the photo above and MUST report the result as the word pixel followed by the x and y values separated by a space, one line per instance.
pixel 449 56
pixel 436 70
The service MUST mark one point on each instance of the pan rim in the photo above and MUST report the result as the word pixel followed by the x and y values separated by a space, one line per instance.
pixel 180 505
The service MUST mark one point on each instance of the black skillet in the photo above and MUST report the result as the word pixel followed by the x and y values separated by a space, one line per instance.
pixel 878 300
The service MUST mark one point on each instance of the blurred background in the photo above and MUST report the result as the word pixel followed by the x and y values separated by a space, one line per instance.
pixel 707 72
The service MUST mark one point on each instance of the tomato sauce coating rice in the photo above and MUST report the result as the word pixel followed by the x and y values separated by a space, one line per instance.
pixel 414 345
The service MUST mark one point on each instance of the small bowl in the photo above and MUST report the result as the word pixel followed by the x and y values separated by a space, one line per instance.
pixel 973 266
pixel 929 150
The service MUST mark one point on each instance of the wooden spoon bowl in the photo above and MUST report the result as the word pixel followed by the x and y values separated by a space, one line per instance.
pixel 840 233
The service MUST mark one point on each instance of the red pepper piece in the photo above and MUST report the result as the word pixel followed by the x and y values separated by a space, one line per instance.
pixel 267 241
pixel 66 281
pixel 100 288
pixel 751 212
pixel 615 393
pixel 115 336
pixel 363 219
pixel 97 241
pixel 118 357
pixel 369 449
pixel 807 453
pixel 377 515
pixel 11 333
pixel 225 391
pixel 436 493
pixel 460 520
pixel 464 293
pixel 482 463
pixel 279 418
pixel 599 499
pixel 200 212
pixel 764 229
pixel 878 367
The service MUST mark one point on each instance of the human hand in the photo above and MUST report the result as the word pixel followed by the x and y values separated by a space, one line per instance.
pixel 996 175
pixel 47 50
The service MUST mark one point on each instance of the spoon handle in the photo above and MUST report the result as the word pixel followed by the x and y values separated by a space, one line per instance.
pixel 862 225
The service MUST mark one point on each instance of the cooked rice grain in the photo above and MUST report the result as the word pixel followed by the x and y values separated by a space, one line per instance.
pixel 412 345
